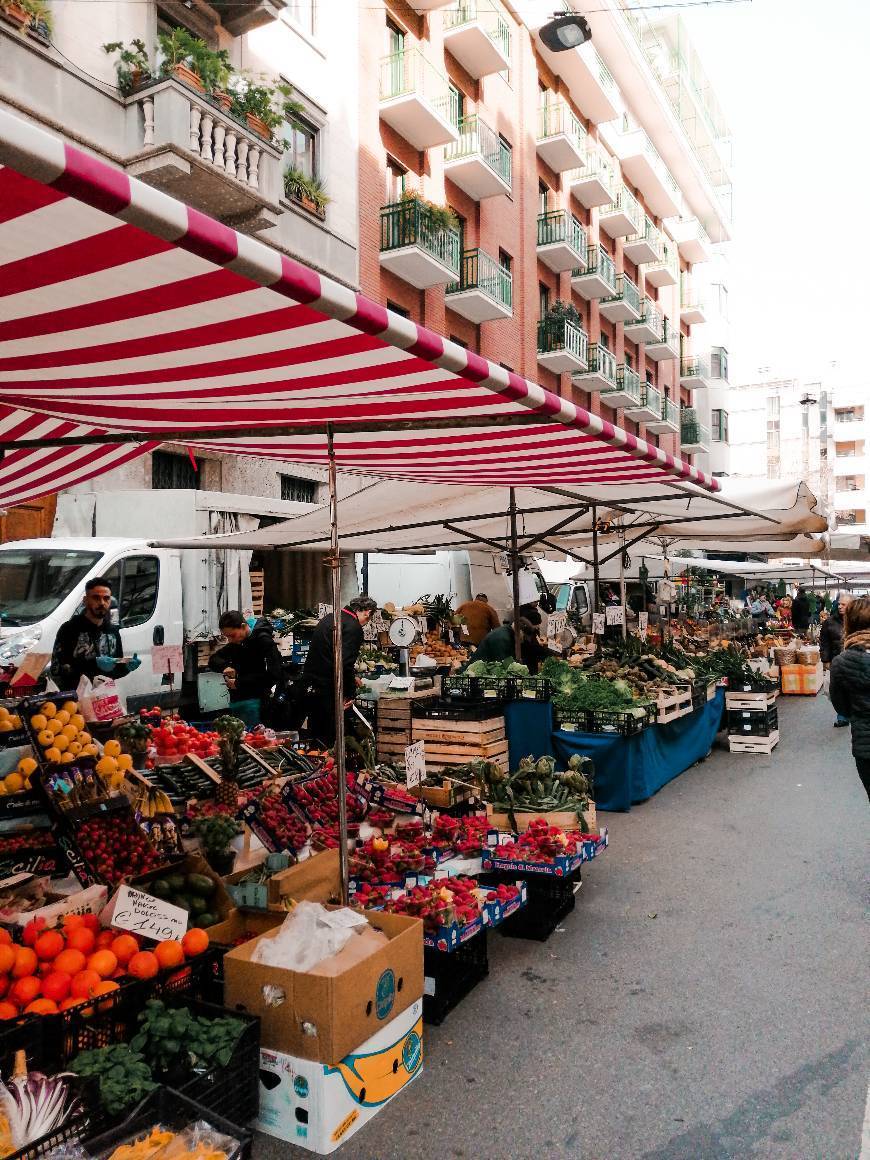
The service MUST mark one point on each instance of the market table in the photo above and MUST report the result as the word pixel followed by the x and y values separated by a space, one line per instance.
pixel 628 770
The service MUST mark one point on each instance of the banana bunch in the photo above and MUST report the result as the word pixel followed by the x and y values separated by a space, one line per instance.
pixel 151 801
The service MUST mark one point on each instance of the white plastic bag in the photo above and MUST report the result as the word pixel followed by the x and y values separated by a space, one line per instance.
pixel 307 936
pixel 100 700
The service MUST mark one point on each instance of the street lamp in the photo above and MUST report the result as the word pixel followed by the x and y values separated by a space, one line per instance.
pixel 566 31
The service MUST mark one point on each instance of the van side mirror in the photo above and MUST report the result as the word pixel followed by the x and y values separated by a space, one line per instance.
pixel 158 635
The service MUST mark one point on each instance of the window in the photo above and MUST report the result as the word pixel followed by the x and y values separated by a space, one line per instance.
pixel 650 381
pixel 134 582
pixel 846 483
pixel 171 472
pixel 298 490
pixel 397 309
pixel 456 104
pixel 505 261
pixel 719 363
pixel 629 361
pixel 301 147
pixel 302 13
pixel 604 341
pixel 395 178
pixel 543 300
pixel 395 39
pixel 543 196
pixel 719 421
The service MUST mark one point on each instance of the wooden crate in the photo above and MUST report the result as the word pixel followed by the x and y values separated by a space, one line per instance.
pixel 566 819
pixel 750 700
pixel 766 745
pixel 436 727
pixel 257 592
pixel 672 704
pixel 458 742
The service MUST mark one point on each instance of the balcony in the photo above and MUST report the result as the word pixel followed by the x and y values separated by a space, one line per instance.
pixel 692 310
pixel 666 344
pixel 561 140
pixel 703 370
pixel 628 391
pixel 484 291
pixel 593 184
pixel 644 168
pixel 648 327
pixel 192 150
pixel 694 437
pixel 416 247
pixel 422 6
pixel 665 271
pixel 623 216
pixel 479 162
pixel 478 38
pixel 600 373
pixel 239 17
pixel 624 303
pixel 667 421
pixel 848 499
pixel 415 100
pixel 647 407
pixel 644 246
pixel 692 240
pixel 562 345
pixel 591 86
pixel 561 241
pixel 597 279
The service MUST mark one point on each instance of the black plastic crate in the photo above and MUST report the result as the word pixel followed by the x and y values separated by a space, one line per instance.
pixel 88 1120
pixel 451 976
pixel 459 687
pixel 456 710
pixel 111 1018
pixel 533 688
pixel 495 688
pixel 233 1090
pixel 752 722
pixel 27 1034
pixel 174 1111
pixel 550 900
pixel 627 723
pixel 200 978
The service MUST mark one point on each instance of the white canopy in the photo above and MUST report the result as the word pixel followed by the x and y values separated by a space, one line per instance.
pixel 387 516
pixel 788 570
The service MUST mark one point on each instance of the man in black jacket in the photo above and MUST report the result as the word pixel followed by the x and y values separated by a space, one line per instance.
pixel 88 645
pixel 250 662
pixel 800 611
pixel 317 674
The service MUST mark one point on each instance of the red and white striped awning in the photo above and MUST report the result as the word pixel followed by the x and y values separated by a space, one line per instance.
pixel 128 318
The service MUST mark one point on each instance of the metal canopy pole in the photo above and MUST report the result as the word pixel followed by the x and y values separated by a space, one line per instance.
pixel 622 590
pixel 596 604
pixel 333 562
pixel 515 574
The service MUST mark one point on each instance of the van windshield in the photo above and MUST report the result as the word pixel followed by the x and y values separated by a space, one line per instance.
pixel 562 592
pixel 34 581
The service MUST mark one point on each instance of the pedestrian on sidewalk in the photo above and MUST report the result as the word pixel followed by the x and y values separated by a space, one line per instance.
pixel 831 642
pixel 850 683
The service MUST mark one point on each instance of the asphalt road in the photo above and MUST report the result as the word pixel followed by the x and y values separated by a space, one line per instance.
pixel 706 999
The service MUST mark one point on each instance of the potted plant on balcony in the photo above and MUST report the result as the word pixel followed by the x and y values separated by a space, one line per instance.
pixel 179 50
pixel 561 312
pixel 441 217
pixel 215 70
pixel 309 192
pixel 132 66
pixel 28 14
pixel 264 107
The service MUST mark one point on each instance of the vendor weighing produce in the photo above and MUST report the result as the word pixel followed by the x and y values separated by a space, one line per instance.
pixel 89 645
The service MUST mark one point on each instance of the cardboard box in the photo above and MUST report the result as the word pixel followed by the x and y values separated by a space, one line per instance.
pixel 91 900
pixel 326 1017
pixel 319 1107
pixel 220 902
pixel 243 925
pixel 317 879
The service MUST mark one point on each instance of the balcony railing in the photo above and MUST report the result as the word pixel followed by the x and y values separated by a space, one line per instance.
pixel 555 118
pixel 670 412
pixel 476 138
pixel 482 272
pixel 408 73
pixel 409 223
pixel 652 316
pixel 695 366
pixel 559 225
pixel 599 262
pixel 626 291
pixel 626 203
pixel 602 361
pixel 693 433
pixel 556 334
pixel 495 27
pixel 628 382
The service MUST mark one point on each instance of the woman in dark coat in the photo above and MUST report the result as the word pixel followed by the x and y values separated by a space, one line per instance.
pixel 850 683
pixel 831 642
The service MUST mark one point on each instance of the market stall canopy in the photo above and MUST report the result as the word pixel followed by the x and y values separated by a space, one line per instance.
pixel 771 570
pixel 128 317
pixel 379 518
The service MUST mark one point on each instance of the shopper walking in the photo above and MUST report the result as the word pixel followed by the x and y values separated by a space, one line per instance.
pixel 800 611
pixel 831 642
pixel 317 674
pixel 850 683
pixel 480 617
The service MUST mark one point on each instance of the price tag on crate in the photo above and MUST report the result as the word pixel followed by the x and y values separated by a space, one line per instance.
pixel 642 622
pixel 415 763
pixel 370 631
pixel 598 623
pixel 614 614
pixel 464 629
pixel 323 610
pixel 556 623
pixel 150 917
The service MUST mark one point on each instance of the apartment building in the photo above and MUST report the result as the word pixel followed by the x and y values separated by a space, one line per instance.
pixel 849 458
pixel 171 134
pixel 552 211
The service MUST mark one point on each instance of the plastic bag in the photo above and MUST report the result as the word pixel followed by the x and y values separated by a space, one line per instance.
pixel 307 936
pixel 100 700
pixel 200 1141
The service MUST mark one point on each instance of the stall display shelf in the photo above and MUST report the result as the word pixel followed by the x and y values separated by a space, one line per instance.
pixel 673 703
pixel 754 744
pixel 462 742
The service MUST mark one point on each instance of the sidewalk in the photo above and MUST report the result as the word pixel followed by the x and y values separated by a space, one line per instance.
pixel 705 999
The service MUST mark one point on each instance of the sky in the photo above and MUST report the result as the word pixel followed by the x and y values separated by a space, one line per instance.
pixel 793 77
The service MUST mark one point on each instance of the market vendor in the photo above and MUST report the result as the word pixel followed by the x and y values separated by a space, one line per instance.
pixel 480 617
pixel 317 673
pixel 88 644
pixel 250 663
pixel 498 645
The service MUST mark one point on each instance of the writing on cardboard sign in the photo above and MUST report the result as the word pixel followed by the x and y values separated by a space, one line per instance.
pixel 415 763
pixel 150 917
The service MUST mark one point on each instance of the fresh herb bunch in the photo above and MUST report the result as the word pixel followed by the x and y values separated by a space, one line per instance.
pixel 124 1076
pixel 170 1038
pixel 215 832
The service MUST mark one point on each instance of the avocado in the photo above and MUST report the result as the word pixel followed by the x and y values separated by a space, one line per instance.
pixel 205 919
pixel 200 884
pixel 176 883
pixel 160 888
pixel 197 905
pixel 181 900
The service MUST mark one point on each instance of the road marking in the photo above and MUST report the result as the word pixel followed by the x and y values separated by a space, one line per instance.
pixel 865 1132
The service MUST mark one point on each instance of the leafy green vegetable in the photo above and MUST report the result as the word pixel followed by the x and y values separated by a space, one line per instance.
pixel 124 1076
pixel 172 1036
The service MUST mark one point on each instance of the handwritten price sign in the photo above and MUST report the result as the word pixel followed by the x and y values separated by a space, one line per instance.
pixel 415 763
pixel 150 917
